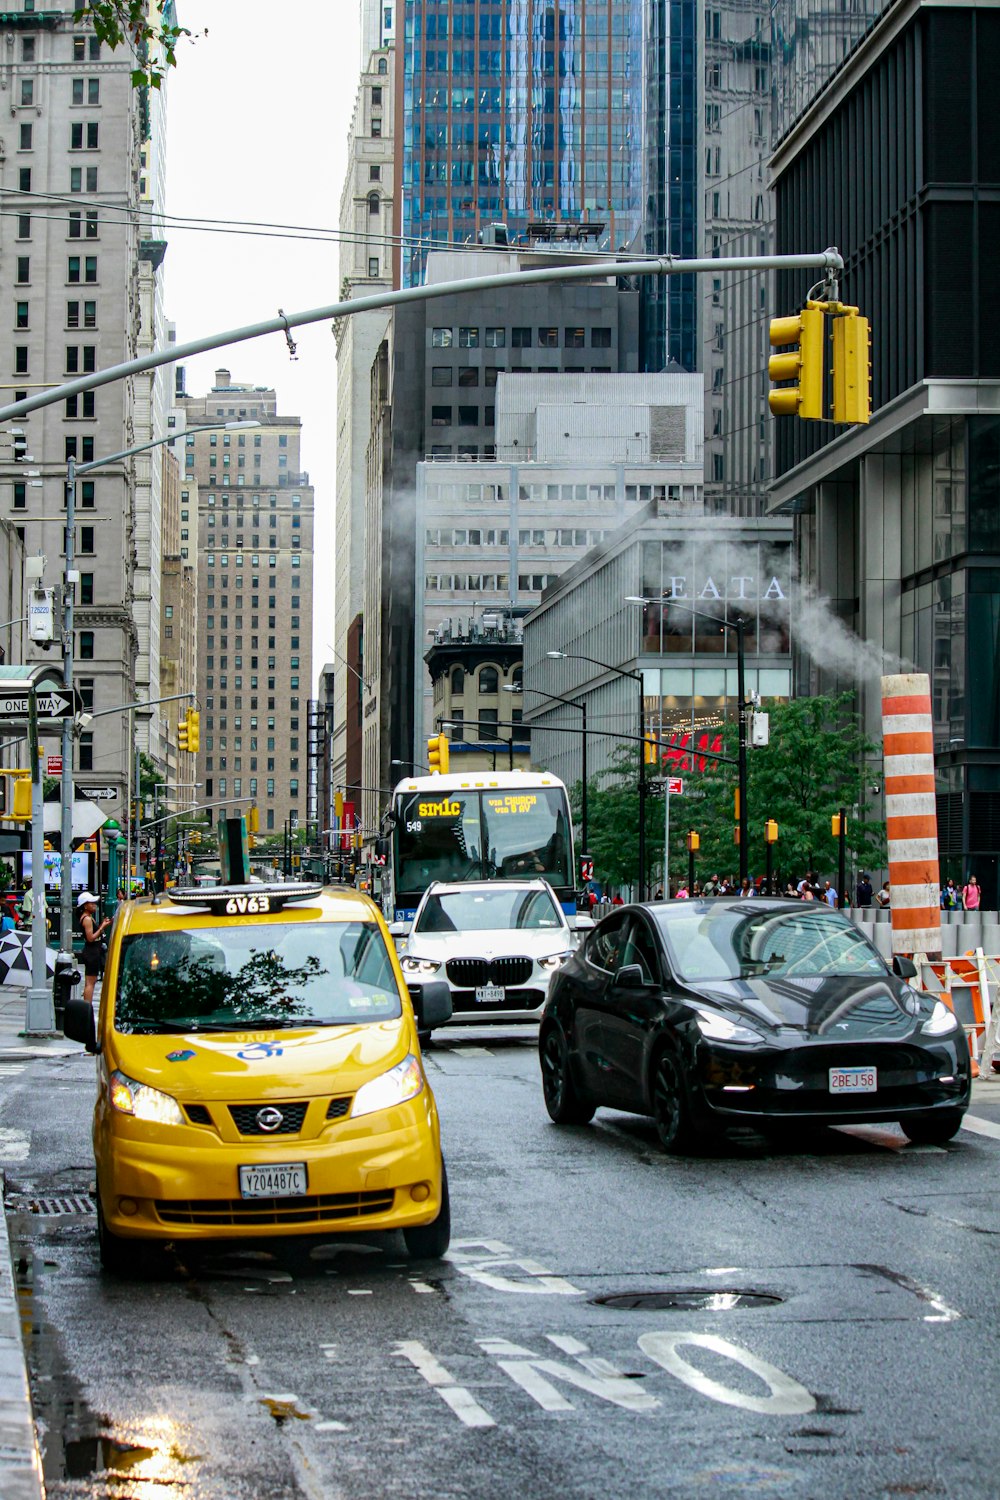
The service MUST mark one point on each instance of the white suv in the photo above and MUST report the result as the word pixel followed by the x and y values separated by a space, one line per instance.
pixel 496 942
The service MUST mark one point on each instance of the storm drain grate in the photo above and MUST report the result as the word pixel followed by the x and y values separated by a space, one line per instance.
pixel 687 1300
pixel 48 1208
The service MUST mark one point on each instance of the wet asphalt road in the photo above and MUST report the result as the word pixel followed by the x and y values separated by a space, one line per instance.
pixel 360 1375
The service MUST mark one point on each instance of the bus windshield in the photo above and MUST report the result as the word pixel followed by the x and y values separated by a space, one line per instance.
pixel 482 835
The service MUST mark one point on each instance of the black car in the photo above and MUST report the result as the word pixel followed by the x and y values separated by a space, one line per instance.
pixel 705 1014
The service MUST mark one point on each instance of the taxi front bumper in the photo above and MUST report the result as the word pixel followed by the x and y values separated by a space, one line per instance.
pixel 182 1182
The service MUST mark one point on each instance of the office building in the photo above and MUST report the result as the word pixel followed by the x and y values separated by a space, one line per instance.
pixel 897 521
pixel 178 626
pixel 255 592
pixel 367 227
pixel 513 113
pixel 472 663
pixel 76 251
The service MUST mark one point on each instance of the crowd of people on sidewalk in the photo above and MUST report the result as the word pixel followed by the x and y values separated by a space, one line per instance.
pixel 812 888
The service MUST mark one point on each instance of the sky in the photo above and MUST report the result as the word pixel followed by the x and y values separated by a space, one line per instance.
pixel 258 112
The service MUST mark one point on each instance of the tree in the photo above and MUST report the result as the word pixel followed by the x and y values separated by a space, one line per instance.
pixel 814 765
pixel 143 25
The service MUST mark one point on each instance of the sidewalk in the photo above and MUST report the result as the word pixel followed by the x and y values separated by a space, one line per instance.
pixel 12 1010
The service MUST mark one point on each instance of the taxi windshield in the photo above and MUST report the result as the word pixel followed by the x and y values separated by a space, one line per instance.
pixel 238 977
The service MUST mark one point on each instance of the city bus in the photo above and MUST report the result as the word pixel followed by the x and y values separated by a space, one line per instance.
pixel 477 825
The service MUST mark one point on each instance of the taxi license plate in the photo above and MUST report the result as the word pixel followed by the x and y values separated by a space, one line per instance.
pixel 853 1081
pixel 285 1181
pixel 490 994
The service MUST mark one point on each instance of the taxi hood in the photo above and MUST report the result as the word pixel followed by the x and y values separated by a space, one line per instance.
pixel 237 1065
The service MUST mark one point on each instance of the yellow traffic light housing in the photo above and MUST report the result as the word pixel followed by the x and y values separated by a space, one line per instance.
pixel 194 730
pixel 851 367
pixel 802 337
pixel 253 818
pixel 437 754
pixel 770 832
pixel 183 737
pixel 649 749
pixel 693 842
pixel 22 799
pixel 835 828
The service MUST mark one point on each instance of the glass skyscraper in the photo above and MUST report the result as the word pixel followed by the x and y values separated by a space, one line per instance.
pixel 517 112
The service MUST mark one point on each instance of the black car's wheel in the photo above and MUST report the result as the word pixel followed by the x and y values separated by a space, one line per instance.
pixel 671 1108
pixel 119 1257
pixel 431 1241
pixel 932 1129
pixel 563 1100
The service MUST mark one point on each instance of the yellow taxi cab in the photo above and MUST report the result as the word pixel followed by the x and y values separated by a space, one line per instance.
pixel 259 1074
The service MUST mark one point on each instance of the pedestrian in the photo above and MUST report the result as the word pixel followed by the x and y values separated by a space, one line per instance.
pixel 883 897
pixel 92 931
pixel 616 899
pixel 806 892
pixel 659 893
pixel 949 897
pixel 971 894
pixel 696 892
pixel 711 886
pixel 7 923
pixel 792 891
pixel 863 895
pixel 682 893
pixel 26 904
pixel 829 894
pixel 747 889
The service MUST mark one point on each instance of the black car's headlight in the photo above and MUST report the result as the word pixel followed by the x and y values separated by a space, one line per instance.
pixel 941 1020
pixel 720 1029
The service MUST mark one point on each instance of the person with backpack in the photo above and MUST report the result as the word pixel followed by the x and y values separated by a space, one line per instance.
pixel 971 894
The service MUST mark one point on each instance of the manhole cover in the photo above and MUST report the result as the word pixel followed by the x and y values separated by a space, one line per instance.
pixel 687 1300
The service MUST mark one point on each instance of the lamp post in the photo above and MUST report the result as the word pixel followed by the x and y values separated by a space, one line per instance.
pixel 636 677
pixel 70 579
pixel 509 687
pixel 739 626
pixel 157 788
pixel 416 764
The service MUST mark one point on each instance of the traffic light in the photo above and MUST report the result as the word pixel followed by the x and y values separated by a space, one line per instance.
pixel 194 730
pixel 649 748
pixel 851 367
pixel 437 753
pixel 338 807
pixel 770 832
pixel 183 735
pixel 22 799
pixel 253 818
pixel 693 842
pixel 802 364
pixel 835 827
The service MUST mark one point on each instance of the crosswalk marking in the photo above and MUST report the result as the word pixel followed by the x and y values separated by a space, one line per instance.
pixel 462 1402
pixel 979 1126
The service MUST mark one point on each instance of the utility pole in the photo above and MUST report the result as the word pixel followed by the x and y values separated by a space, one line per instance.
pixel 66 819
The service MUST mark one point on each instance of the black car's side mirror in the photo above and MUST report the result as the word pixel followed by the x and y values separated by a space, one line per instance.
pixel 431 1004
pixel 78 1024
pixel 630 977
pixel 903 966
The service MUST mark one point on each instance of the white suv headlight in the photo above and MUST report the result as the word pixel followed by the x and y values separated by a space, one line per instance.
pixel 131 1098
pixel 941 1020
pixel 554 960
pixel 401 1083
pixel 720 1029
pixel 411 965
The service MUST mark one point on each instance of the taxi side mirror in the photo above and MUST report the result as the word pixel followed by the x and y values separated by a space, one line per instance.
pixel 431 1004
pixel 78 1024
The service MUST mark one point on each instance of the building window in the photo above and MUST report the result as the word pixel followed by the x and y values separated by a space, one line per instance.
pixel 20 495
pixel 441 375
pixel 21 359
pixel 85 761
pixel 86 588
pixel 600 338
pixel 376 96
pixel 24 179
pixel 574 338
pixel 548 338
pixel 85 645
pixel 86 548
pixel 376 128
pixel 468 416
pixel 22 274
pixel 373 265
pixel 441 416
pixel 373 204
pixel 374 173
pixel 27 91
pixel 442 338
pixel 468 338
pixel 496 338
pixel 21 315
pixel 488 718
pixel 24 139
pixel 468 376
pixel 489 680
pixel 520 338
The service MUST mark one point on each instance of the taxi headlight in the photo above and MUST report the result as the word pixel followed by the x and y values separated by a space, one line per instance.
pixel 721 1029
pixel 401 1083
pixel 131 1098
pixel 554 961
pixel 941 1020
pixel 413 965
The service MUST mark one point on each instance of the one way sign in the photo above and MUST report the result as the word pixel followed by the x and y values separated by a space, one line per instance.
pixel 56 704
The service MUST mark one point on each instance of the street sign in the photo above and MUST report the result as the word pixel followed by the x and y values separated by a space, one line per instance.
pixel 675 786
pixel 656 786
pixel 53 765
pixel 99 793
pixel 57 704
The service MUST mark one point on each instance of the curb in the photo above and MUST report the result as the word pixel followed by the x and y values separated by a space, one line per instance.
pixel 20 1464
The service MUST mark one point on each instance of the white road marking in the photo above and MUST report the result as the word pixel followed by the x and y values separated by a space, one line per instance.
pixel 462 1402
pixel 331 1427
pixel 598 1377
pixel 14 1145
pixel 359 1291
pixel 468 1257
pixel 786 1396
pixel 421 1286
pixel 981 1127
pixel 567 1344
pixel 471 1052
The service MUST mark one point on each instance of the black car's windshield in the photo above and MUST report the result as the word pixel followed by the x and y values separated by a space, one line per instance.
pixel 238 978
pixel 708 941
pixel 497 909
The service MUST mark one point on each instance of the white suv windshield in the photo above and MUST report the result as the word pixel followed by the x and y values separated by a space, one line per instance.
pixel 500 908
pixel 238 978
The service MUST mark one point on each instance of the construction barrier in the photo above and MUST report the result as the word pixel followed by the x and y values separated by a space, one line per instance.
pixel 963 982
pixel 911 813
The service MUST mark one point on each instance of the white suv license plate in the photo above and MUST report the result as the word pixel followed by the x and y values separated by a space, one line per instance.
pixel 853 1080
pixel 490 994
pixel 285 1181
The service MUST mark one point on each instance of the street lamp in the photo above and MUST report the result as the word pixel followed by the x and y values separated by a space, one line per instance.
pixel 510 687
pixel 159 786
pixel 70 578
pixel 416 764
pixel 636 677
pixel 739 626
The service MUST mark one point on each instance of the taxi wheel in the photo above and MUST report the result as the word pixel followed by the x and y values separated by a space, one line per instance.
pixel 119 1257
pixel 563 1100
pixel 431 1241
pixel 671 1111
pixel 932 1129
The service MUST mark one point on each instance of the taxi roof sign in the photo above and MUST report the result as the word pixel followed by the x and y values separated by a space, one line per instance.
pixel 246 900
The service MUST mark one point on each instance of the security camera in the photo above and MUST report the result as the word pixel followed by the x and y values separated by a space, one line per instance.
pixel 875 788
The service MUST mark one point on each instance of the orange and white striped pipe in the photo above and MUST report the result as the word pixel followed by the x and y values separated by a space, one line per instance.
pixel 911 813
